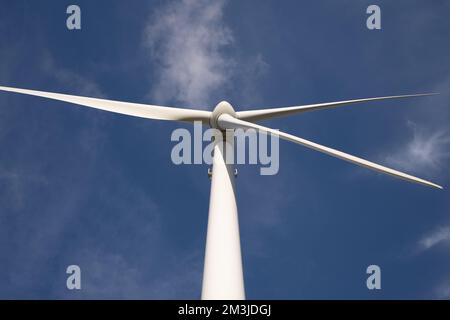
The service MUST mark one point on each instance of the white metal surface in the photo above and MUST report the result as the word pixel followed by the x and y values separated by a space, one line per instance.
pixel 226 121
pixel 127 108
pixel 261 114
pixel 222 274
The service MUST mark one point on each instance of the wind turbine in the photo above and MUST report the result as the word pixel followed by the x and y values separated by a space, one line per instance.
pixel 223 275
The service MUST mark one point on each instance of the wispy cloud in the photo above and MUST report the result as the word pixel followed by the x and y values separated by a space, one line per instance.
pixel 113 275
pixel 425 151
pixel 16 184
pixel 188 38
pixel 438 236
pixel 70 79
pixel 442 291
pixel 251 70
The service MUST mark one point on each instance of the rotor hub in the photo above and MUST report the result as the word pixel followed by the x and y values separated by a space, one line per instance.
pixel 222 108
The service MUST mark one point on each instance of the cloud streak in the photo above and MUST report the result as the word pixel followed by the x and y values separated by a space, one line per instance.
pixel 439 236
pixel 70 79
pixel 427 150
pixel 443 291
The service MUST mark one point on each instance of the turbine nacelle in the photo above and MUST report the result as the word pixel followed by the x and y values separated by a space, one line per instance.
pixel 222 107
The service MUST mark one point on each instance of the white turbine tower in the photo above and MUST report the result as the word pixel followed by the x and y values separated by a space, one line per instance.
pixel 223 275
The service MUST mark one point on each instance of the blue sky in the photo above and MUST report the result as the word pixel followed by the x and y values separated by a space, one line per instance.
pixel 82 186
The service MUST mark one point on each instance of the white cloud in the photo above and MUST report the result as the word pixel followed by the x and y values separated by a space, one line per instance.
pixel 16 185
pixel 114 276
pixel 443 291
pixel 439 236
pixel 70 79
pixel 188 39
pixel 426 151
pixel 251 70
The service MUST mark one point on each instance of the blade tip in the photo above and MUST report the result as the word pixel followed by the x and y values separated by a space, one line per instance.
pixel 426 94
pixel 437 186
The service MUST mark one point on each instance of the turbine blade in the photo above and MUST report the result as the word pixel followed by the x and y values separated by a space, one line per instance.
pixel 261 114
pixel 127 108
pixel 226 121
